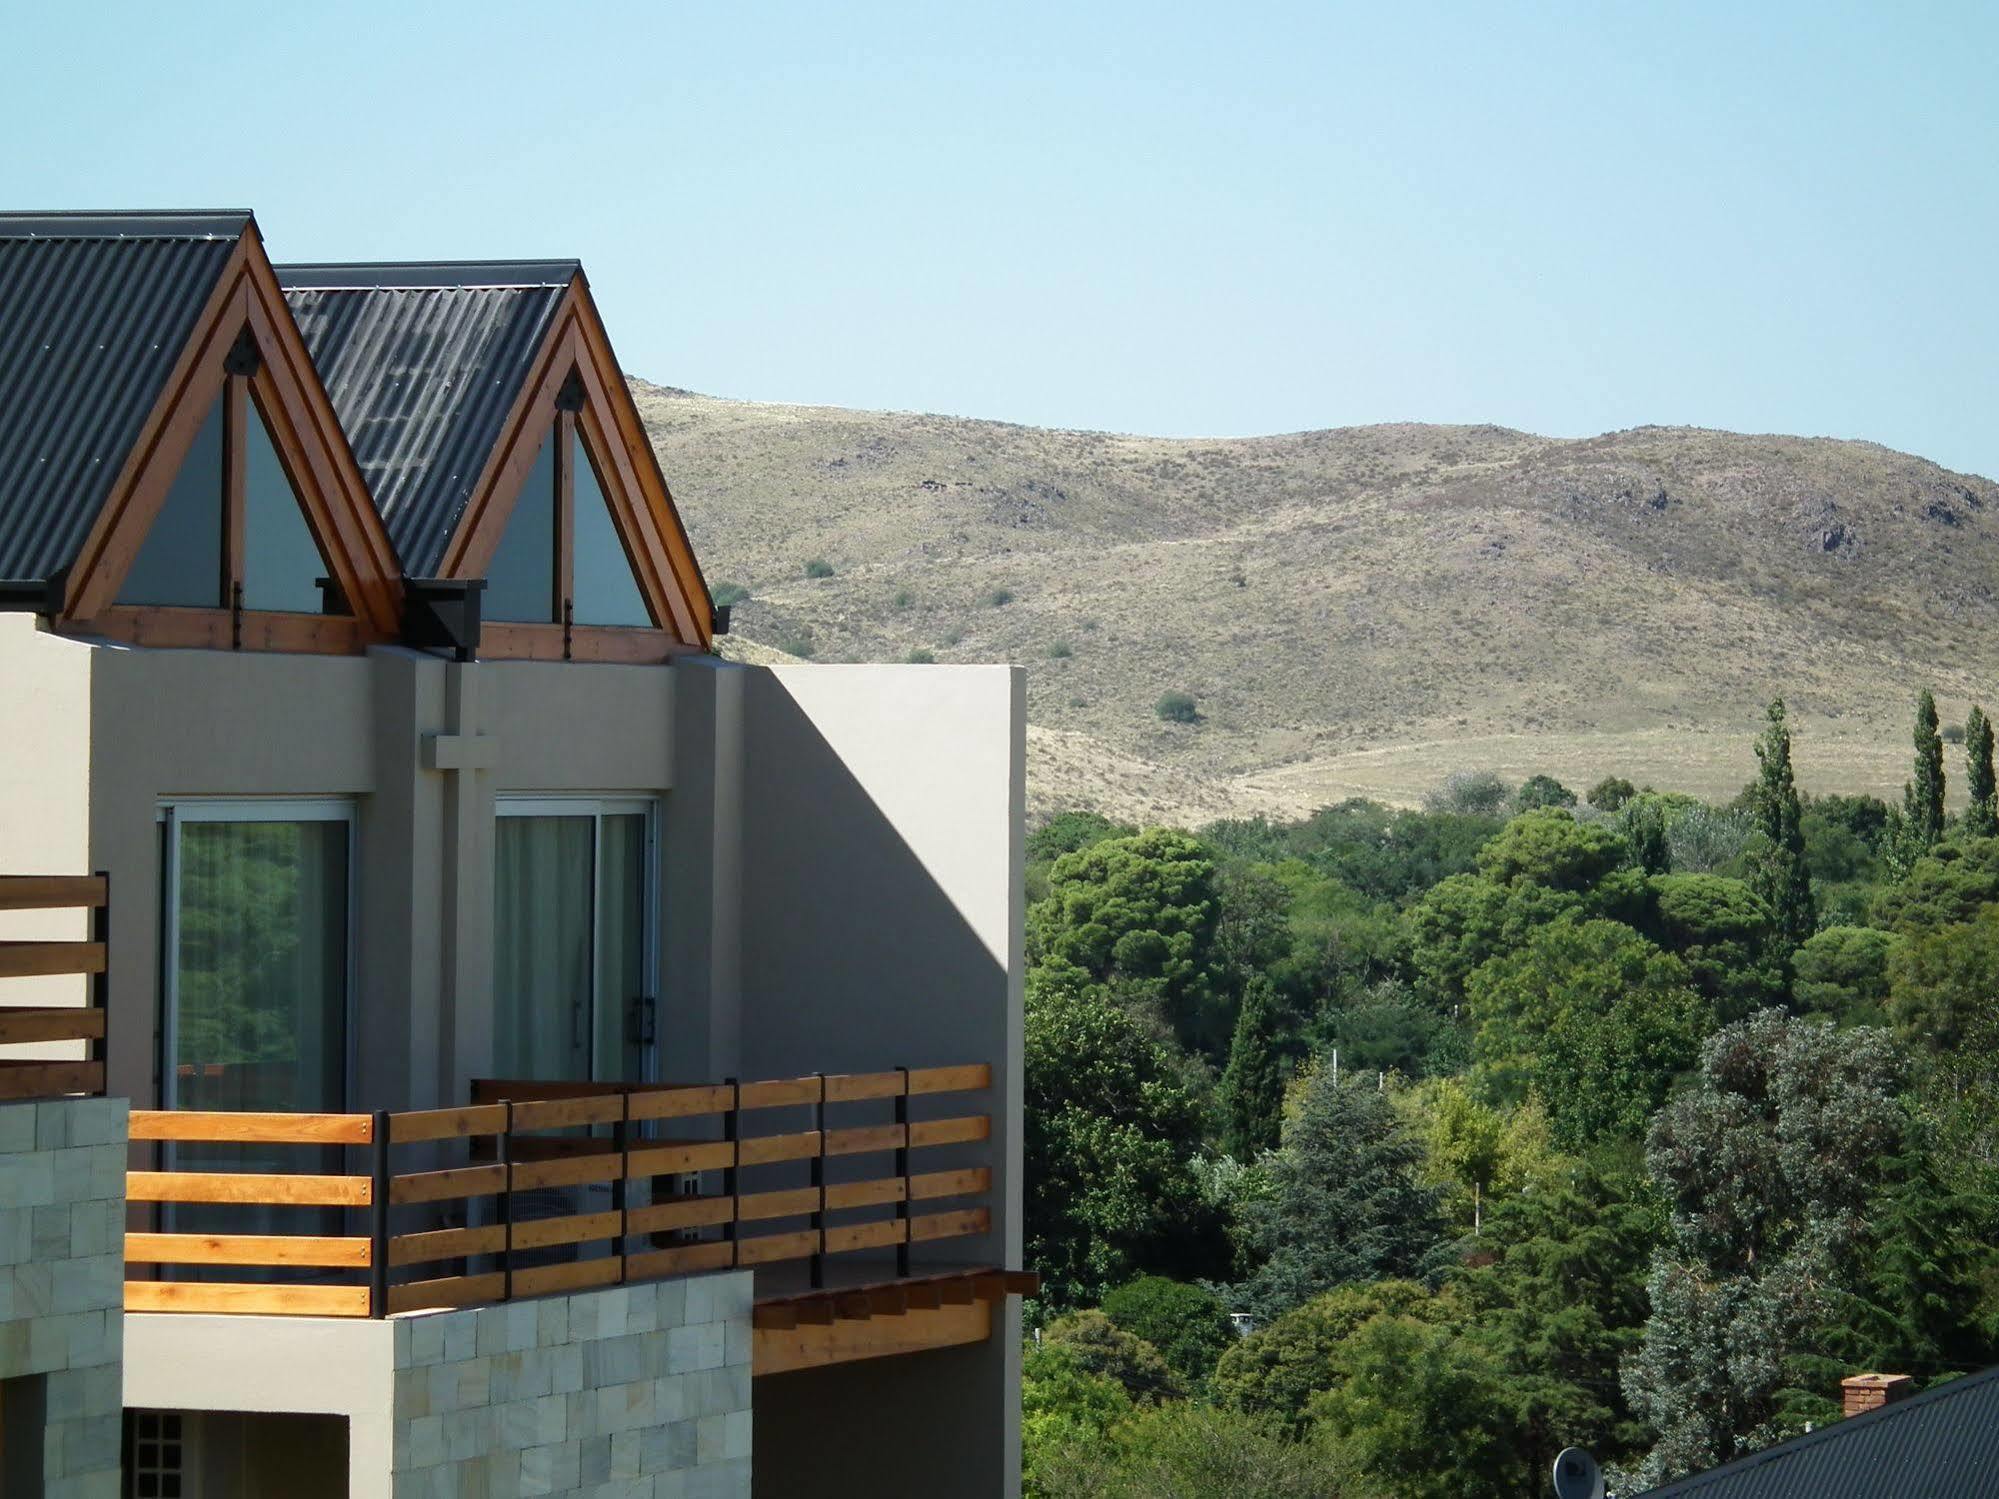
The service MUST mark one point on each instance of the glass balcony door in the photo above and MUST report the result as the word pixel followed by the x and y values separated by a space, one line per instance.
pixel 573 940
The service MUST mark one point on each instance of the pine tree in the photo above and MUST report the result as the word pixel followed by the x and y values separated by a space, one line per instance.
pixel 1981 819
pixel 1780 876
pixel 1922 798
pixel 1253 1084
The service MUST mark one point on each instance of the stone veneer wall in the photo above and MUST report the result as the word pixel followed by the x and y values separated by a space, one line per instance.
pixel 62 1280
pixel 632 1392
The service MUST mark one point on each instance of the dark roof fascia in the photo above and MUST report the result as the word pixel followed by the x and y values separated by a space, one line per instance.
pixel 1832 1431
pixel 146 224
pixel 429 275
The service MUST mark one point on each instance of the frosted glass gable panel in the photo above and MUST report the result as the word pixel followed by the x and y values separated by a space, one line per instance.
pixel 605 591
pixel 520 581
pixel 180 561
pixel 282 564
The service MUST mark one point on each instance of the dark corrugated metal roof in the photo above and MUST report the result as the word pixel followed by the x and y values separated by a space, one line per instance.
pixel 422 363
pixel 1941 1444
pixel 94 310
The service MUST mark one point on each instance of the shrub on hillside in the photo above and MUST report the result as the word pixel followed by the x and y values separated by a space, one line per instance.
pixel 1177 707
pixel 818 567
pixel 1479 792
pixel 727 594
pixel 921 657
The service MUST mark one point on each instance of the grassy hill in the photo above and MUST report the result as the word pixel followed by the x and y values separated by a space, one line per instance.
pixel 1362 611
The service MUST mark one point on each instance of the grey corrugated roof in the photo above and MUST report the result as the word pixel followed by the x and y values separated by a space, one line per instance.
pixel 422 363
pixel 1941 1444
pixel 94 310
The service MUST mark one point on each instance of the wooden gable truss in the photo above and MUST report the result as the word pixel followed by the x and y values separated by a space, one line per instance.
pixel 245 348
pixel 576 387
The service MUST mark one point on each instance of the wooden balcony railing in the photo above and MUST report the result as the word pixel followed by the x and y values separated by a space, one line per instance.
pixel 454 1230
pixel 45 1076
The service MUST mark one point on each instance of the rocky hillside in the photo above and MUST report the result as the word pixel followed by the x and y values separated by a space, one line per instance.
pixel 1364 610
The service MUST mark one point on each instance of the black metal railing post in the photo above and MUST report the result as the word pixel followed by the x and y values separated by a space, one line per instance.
pixel 100 982
pixel 621 1147
pixel 731 1132
pixel 902 1212
pixel 378 1220
pixel 505 1151
pixel 819 1187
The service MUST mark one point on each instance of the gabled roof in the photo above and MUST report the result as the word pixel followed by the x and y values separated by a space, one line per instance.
pixel 424 363
pixel 1940 1444
pixel 95 308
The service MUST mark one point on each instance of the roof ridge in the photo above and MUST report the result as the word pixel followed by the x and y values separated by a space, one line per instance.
pixel 121 223
pixel 426 275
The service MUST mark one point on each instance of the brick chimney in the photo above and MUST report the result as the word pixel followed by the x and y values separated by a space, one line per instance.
pixel 1866 1392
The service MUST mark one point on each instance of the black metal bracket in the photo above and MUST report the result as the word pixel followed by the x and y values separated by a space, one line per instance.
pixel 33 595
pixel 378 1221
pixel 443 614
pixel 641 1020
pixel 819 1186
pixel 902 1170
pixel 718 618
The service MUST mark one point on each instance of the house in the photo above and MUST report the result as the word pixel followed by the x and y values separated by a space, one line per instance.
pixel 1940 1444
pixel 558 1060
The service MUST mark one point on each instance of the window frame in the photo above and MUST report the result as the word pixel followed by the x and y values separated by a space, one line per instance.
pixel 170 815
pixel 597 807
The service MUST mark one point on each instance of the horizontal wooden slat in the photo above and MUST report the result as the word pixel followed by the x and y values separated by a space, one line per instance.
pixel 22 1079
pixel 253 1129
pixel 684 1212
pixel 246 1249
pixel 769 1248
pixel 667 1160
pixel 973 1180
pixel 864 1140
pixel 680 1261
pixel 446 1244
pixel 787 1204
pixel 449 1184
pixel 864 1236
pixel 249 1186
pixel 780 1093
pixel 52 892
pixel 569 1171
pixel 851 1087
pixel 63 1023
pixel 767 1149
pixel 447 1124
pixel 456 1290
pixel 543 1279
pixel 21 960
pixel 681 1103
pixel 951 1079
pixel 928 1226
pixel 950 1131
pixel 864 1194
pixel 577 1228
pixel 566 1113
pixel 256 1300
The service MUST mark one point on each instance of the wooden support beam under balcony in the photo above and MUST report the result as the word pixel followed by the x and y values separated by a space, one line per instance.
pixel 811 1329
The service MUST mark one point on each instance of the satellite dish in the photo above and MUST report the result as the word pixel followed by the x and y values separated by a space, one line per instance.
pixel 1577 1475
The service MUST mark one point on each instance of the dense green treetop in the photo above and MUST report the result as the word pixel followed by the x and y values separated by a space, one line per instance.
pixel 1981 818
pixel 1187 1323
pixel 1726 936
pixel 1946 887
pixel 1778 871
pixel 1842 972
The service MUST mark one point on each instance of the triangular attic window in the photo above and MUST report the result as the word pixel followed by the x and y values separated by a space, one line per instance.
pixel 604 590
pixel 181 560
pixel 282 565
pixel 521 585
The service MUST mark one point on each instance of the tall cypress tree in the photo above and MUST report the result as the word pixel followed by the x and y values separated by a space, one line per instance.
pixel 1922 798
pixel 1981 818
pixel 1780 875
pixel 1253 1084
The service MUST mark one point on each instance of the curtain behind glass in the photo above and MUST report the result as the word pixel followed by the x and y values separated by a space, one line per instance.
pixel 542 900
pixel 621 942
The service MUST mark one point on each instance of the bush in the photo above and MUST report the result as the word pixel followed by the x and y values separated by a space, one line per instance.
pixel 1186 1450
pixel 800 643
pixel 921 657
pixel 728 594
pixel 1106 1350
pixel 818 567
pixel 1178 707
pixel 1478 792
pixel 1188 1326
pixel 999 597
pixel 903 598
pixel 1610 793
pixel 1543 791
pixel 1061 650
pixel 952 637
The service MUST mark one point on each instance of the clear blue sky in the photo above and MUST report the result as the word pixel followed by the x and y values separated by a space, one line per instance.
pixel 1211 219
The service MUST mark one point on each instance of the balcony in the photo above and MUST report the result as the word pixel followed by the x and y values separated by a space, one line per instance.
pixel 823 1185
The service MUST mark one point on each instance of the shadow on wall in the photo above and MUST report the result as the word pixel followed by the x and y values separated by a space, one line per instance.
pixel 866 791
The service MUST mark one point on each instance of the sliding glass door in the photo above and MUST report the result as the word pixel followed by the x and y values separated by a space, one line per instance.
pixel 573 940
